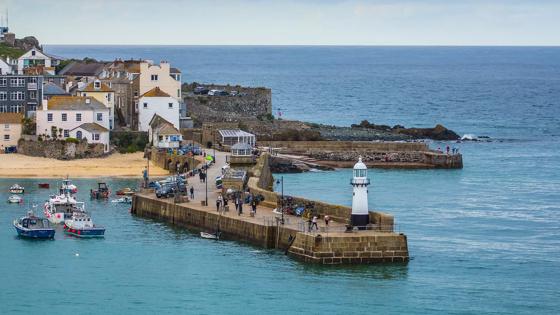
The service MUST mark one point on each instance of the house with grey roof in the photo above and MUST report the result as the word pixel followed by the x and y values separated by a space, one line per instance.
pixel 63 117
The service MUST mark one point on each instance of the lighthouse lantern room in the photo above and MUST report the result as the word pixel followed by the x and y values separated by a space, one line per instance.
pixel 360 182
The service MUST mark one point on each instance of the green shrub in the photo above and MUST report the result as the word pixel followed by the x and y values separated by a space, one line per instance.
pixel 72 140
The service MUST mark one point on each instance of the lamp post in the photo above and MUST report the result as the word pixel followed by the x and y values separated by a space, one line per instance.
pixel 206 182
pixel 281 180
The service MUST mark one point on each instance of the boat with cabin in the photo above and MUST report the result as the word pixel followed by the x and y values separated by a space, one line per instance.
pixel 102 191
pixel 32 226
pixel 81 225
pixel 61 207
pixel 17 189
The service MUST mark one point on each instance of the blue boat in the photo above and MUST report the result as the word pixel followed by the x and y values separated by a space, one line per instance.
pixel 81 225
pixel 34 227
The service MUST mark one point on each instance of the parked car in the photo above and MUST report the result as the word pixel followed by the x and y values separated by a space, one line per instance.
pixel 165 191
pixel 200 90
pixel 218 93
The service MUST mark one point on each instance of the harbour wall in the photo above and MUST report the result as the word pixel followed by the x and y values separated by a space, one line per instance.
pixel 374 154
pixel 357 247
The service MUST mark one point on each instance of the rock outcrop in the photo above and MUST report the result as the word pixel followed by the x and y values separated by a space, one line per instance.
pixel 439 132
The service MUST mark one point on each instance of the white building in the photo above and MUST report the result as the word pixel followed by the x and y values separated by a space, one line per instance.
pixel 5 67
pixel 161 76
pixel 104 94
pixel 34 58
pixel 156 101
pixel 62 117
pixel 163 134
pixel 360 208
pixel 233 136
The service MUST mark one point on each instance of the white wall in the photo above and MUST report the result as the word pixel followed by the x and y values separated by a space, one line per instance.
pixel 29 56
pixel 103 137
pixel 160 106
pixel 5 68
pixel 71 123
pixel 164 80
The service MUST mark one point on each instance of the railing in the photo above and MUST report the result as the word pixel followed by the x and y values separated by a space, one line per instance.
pixel 31 86
pixel 360 181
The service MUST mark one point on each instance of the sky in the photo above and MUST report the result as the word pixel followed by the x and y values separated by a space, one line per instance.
pixel 289 22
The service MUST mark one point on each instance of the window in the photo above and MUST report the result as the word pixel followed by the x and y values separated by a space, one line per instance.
pixel 33 94
pixel 16 108
pixel 66 133
pixel 31 107
pixel 3 96
pixel 145 105
pixel 79 135
pixel 178 92
pixel 97 84
pixel 154 77
pixel 17 82
pixel 17 96
pixel 3 81
pixel 99 116
pixel 33 80
pixel 64 117
pixel 49 117
pixel 135 93
pixel 3 108
pixel 109 97
pixel 6 126
pixel 6 137
pixel 33 52
pixel 78 117
pixel 170 105
pixel 96 136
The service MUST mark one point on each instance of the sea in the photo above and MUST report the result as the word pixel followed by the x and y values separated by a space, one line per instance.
pixel 484 239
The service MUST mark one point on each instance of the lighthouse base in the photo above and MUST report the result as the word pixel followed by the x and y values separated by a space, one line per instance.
pixel 360 220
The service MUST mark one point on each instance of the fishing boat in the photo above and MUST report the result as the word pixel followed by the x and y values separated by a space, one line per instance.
pixel 215 236
pixel 67 187
pixel 44 185
pixel 17 189
pixel 102 191
pixel 125 199
pixel 81 225
pixel 15 199
pixel 61 207
pixel 125 192
pixel 33 227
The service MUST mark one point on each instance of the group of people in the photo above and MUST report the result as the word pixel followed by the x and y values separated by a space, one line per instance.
pixel 448 148
pixel 222 203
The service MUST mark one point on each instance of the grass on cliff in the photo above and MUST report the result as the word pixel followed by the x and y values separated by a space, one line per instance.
pixel 7 51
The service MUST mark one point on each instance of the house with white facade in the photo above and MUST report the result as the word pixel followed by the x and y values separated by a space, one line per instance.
pixel 79 117
pixel 162 133
pixel 36 58
pixel 104 94
pixel 160 76
pixel 156 101
pixel 5 67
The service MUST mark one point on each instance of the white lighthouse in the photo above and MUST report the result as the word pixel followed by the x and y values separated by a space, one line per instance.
pixel 360 182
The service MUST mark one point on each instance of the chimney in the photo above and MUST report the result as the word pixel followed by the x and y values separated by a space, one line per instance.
pixel 88 101
pixel 44 104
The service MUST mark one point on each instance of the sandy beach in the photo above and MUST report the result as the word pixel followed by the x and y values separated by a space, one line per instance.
pixel 115 165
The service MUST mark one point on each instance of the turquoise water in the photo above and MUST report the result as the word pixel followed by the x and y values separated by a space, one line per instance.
pixel 484 239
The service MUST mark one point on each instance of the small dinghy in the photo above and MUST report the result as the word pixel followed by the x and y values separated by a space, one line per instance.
pixel 215 236
pixel 125 192
pixel 17 189
pixel 125 199
pixel 15 199
pixel 33 227
pixel 44 185
pixel 81 225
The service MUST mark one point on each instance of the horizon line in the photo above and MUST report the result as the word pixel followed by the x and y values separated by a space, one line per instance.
pixel 312 45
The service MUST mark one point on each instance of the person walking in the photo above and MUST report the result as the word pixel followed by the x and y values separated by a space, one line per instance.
pixel 240 206
pixel 225 204
pixel 192 192
pixel 218 202
pixel 314 223
pixel 254 205
pixel 327 219
pixel 447 149
pixel 200 175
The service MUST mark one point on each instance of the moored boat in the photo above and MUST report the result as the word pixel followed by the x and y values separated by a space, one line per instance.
pixel 44 185
pixel 15 199
pixel 33 227
pixel 102 191
pixel 125 199
pixel 125 192
pixel 61 207
pixel 17 189
pixel 81 225
pixel 215 236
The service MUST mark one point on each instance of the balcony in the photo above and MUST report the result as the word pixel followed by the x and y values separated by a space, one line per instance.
pixel 32 86
pixel 360 181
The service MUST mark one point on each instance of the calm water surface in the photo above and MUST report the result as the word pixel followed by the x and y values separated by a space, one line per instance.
pixel 484 239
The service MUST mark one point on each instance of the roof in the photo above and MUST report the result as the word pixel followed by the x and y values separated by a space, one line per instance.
pixel 92 127
pixel 234 133
pixel 91 88
pixel 360 165
pixel 83 69
pixel 155 92
pixel 241 146
pixel 50 88
pixel 10 118
pixel 74 103
pixel 174 70
pixel 168 129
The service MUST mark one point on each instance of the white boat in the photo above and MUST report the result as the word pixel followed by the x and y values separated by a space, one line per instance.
pixel 15 199
pixel 215 236
pixel 80 224
pixel 17 189
pixel 61 207
pixel 67 187
pixel 125 199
